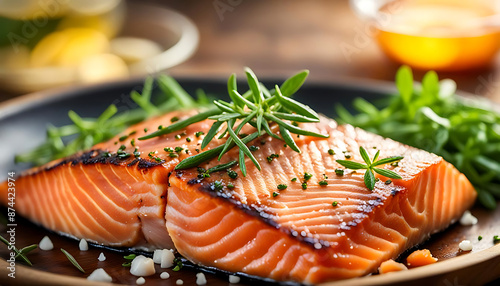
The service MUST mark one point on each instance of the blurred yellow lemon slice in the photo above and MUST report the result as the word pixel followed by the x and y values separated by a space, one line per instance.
pixel 132 49
pixel 68 47
pixel 102 67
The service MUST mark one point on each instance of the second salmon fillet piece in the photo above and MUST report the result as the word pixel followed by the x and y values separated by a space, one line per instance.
pixel 310 234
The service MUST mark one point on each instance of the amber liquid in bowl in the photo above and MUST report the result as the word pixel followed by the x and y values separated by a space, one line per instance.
pixel 439 35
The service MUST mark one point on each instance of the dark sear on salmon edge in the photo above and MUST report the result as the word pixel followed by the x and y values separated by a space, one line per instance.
pixel 324 225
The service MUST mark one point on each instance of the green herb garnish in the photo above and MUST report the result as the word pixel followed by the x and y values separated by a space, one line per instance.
pixel 335 203
pixel 72 260
pixel 323 183
pixel 84 133
pixel 370 167
pixel 21 254
pixel 331 152
pixel 258 107
pixel 432 117
pixel 307 176
pixel 282 186
pixel 294 180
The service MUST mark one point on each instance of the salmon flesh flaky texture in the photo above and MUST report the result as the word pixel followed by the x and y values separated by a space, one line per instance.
pixel 307 233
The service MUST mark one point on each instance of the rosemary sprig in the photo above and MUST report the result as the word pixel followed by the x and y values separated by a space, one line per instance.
pixel 258 107
pixel 21 254
pixel 72 260
pixel 370 165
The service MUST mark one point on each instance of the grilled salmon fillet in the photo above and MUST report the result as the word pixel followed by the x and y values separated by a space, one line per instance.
pixel 307 232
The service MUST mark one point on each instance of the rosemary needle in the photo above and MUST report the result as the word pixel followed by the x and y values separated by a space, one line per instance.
pixel 72 260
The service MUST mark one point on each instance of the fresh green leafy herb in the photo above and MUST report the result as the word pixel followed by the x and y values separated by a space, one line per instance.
pixel 72 260
pixel 257 107
pixel 84 133
pixel 370 167
pixel 464 131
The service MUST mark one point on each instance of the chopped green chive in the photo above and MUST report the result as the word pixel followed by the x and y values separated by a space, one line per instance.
pixel 275 194
pixel 294 180
pixel 339 172
pixel 282 186
pixel 307 176
pixel 178 149
pixel 323 183
pixel 230 186
pixel 174 119
pixel 304 186
pixel 178 136
pixel 335 203
pixel 146 130
pixel 123 138
pixel 218 185
pixel 253 148
pixel 199 133
pixel 496 239
pixel 173 155
pixel 271 157
pixel 232 174
pixel 160 127
pixel 188 139
pixel 480 237
pixel 331 152
pixel 132 142
pixel 168 149
pixel 388 182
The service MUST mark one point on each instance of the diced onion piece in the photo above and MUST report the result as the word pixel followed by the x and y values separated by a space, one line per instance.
pixel 179 282
pixel 157 256
pixel 46 244
pixel 140 281
pixel 167 258
pixel 142 266
pixel 233 279
pixel 465 245
pixel 101 257
pixel 201 279
pixel 164 275
pixel 83 245
pixel 468 219
pixel 100 275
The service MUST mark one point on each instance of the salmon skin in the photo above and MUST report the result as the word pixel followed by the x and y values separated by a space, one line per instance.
pixel 303 230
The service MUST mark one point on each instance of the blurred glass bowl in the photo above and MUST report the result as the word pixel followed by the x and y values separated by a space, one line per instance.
pixel 152 39
pixel 449 35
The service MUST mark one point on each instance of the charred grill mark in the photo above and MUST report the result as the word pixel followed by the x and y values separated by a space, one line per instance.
pixel 98 157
